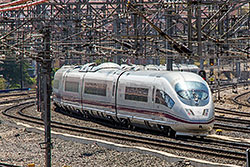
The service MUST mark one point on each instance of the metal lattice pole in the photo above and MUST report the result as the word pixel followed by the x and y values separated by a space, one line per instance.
pixel 45 98
pixel 47 94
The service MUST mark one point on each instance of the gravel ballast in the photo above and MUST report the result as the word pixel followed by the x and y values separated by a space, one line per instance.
pixel 21 147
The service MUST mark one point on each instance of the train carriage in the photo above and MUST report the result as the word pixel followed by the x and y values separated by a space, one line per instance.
pixel 170 101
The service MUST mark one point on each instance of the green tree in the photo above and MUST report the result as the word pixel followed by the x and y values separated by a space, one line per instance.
pixel 53 72
pixel 11 72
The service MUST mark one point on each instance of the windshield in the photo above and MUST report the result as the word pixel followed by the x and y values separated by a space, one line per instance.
pixel 192 93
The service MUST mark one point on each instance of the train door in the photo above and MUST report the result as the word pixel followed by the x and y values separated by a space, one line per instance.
pixel 159 94
pixel 71 92
pixel 81 92
pixel 115 91
pixel 163 102
pixel 157 84
pixel 153 96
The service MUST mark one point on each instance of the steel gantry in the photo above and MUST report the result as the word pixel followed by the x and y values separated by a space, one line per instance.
pixel 87 29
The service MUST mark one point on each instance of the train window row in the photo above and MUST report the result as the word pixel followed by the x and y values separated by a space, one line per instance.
pixel 71 86
pixel 131 93
pixel 95 88
pixel 136 94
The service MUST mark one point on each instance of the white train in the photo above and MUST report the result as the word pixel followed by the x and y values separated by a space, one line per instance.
pixel 177 103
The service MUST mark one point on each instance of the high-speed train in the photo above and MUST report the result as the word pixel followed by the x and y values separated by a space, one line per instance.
pixel 178 103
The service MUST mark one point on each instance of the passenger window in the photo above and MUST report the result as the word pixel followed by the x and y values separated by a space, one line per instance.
pixel 136 94
pixel 95 88
pixel 71 86
pixel 163 98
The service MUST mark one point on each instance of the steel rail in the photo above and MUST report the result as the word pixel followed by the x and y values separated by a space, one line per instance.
pixel 232 112
pixel 133 138
pixel 153 132
pixel 16 100
pixel 7 165
pixel 232 120
pixel 216 142
pixel 235 100
pixel 231 127
pixel 17 94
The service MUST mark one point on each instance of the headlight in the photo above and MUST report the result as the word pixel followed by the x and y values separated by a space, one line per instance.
pixel 189 112
pixel 205 112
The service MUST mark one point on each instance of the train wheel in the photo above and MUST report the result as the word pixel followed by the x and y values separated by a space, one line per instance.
pixel 78 112
pixel 124 122
pixel 132 127
pixel 163 128
pixel 84 114
pixel 172 133
pixel 167 130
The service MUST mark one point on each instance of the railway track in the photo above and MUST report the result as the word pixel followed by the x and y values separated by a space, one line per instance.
pixel 245 102
pixel 233 124
pixel 231 128
pixel 232 112
pixel 14 94
pixel 231 120
pixel 157 143
pixel 7 165
pixel 189 146
pixel 13 97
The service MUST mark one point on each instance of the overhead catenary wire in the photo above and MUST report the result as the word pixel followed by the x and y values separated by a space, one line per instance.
pixel 176 45
pixel 13 3
pixel 23 6
pixel 99 21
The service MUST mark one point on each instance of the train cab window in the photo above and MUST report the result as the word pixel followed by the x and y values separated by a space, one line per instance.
pixel 192 93
pixel 71 86
pixel 136 94
pixel 56 84
pixel 163 98
pixel 95 88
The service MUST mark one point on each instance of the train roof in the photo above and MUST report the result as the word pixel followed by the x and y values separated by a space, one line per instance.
pixel 93 67
pixel 171 76
pixel 111 67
